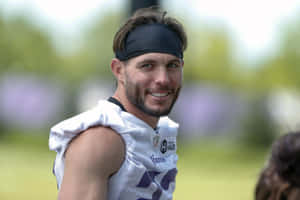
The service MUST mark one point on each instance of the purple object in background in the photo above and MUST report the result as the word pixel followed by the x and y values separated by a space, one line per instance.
pixel 207 110
pixel 28 102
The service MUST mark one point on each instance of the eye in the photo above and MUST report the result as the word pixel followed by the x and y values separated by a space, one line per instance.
pixel 173 65
pixel 146 66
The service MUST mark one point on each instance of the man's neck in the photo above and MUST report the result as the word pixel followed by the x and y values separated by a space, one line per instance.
pixel 129 107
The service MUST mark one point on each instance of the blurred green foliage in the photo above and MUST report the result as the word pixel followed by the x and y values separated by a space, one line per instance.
pixel 93 56
pixel 25 46
pixel 209 56
pixel 259 131
pixel 282 68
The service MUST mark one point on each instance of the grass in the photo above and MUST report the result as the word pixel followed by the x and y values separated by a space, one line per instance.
pixel 207 170
pixel 211 170
pixel 25 169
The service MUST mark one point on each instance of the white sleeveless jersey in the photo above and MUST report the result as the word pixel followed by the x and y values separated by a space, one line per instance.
pixel 149 169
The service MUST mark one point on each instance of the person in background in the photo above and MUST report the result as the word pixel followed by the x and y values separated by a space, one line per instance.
pixel 125 147
pixel 280 179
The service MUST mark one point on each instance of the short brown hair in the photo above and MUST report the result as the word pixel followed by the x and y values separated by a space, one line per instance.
pixel 144 16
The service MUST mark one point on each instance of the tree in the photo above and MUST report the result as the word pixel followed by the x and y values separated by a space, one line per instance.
pixel 94 55
pixel 209 56
pixel 24 47
pixel 282 69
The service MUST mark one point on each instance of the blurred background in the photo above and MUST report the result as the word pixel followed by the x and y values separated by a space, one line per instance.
pixel 241 86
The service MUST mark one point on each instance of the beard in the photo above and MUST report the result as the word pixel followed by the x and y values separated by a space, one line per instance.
pixel 135 97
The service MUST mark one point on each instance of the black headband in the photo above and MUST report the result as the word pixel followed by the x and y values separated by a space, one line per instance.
pixel 150 38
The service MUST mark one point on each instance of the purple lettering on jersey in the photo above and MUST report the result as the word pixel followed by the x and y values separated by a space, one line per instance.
pixel 157 159
pixel 168 178
pixel 156 194
pixel 149 177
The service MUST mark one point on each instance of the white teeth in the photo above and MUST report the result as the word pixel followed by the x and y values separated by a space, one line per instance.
pixel 159 94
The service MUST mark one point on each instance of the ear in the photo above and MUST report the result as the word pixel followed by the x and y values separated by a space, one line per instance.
pixel 118 69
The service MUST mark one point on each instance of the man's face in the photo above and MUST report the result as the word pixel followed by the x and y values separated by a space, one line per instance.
pixel 153 82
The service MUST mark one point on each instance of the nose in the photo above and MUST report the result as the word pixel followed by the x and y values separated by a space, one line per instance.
pixel 162 76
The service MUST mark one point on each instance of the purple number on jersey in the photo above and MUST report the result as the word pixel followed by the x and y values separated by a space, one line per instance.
pixel 149 177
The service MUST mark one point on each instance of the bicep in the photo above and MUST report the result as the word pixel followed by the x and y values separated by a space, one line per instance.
pixel 80 185
pixel 89 161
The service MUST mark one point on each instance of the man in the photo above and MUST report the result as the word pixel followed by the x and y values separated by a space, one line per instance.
pixel 125 147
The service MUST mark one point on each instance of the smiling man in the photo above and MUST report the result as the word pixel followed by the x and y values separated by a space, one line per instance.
pixel 125 147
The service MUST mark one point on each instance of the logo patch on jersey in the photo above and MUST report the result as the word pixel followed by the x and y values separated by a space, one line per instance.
pixel 164 146
pixel 171 145
pixel 156 140
pixel 167 145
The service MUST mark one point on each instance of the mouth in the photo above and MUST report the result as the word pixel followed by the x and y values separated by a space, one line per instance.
pixel 158 94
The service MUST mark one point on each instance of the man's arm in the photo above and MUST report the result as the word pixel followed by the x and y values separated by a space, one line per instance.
pixel 90 160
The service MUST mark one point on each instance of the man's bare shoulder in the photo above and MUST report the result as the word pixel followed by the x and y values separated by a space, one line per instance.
pixel 98 148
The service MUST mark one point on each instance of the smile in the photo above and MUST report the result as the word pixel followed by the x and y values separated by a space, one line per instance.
pixel 160 94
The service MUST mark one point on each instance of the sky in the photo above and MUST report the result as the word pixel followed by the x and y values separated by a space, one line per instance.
pixel 254 23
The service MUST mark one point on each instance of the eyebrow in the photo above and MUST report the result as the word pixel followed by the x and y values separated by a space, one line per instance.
pixel 149 60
